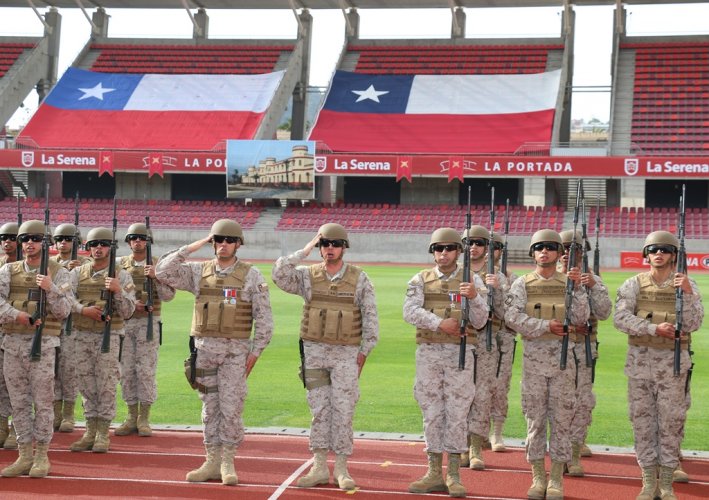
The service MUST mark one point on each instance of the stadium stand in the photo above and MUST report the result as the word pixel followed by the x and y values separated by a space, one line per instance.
pixel 639 221
pixel 10 52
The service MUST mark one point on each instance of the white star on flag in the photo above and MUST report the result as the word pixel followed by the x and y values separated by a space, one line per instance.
pixel 370 93
pixel 96 92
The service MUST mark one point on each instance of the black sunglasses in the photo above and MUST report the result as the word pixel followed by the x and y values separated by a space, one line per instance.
pixel 479 242
pixel 548 246
pixel 8 237
pixel 499 246
pixel 660 249
pixel 332 243
pixel 568 246
pixel 59 239
pixel 137 237
pixel 450 247
pixel 36 238
pixel 228 239
pixel 98 243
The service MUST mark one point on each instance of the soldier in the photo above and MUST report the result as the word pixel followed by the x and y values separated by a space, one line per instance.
pixel 645 310
pixel 98 372
pixel 443 391
pixel 65 383
pixel 231 299
pixel 338 331
pixel 600 306
pixel 536 309
pixel 506 344
pixel 139 359
pixel 29 381
pixel 8 437
pixel 485 369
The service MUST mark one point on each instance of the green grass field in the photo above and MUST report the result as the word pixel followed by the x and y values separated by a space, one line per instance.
pixel 277 398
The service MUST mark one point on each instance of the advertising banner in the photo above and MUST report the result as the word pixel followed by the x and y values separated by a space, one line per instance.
pixel 635 260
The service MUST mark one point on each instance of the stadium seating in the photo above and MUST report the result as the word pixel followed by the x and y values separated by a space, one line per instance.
pixel 638 222
pixel 9 53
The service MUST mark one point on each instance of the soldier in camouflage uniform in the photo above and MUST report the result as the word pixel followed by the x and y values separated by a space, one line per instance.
pixel 506 344
pixel 8 437
pixel 29 381
pixel 536 309
pixel 443 391
pixel 231 299
pixel 139 360
pixel 645 310
pixel 339 329
pixel 65 383
pixel 485 369
pixel 98 372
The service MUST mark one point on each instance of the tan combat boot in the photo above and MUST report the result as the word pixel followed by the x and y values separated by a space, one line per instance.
pixel 341 475
pixel 144 429
pixel 130 424
pixel 649 484
pixel 40 464
pixel 465 456
pixel 539 481
pixel 87 440
pixel 11 440
pixel 102 442
pixel 211 468
pixel 476 452
pixel 574 468
pixel 586 451
pixel 666 491
pixel 67 424
pixel 57 414
pixel 4 430
pixel 318 473
pixel 498 444
pixel 22 465
pixel 455 487
pixel 433 479
pixel 679 475
pixel 226 470
pixel 555 488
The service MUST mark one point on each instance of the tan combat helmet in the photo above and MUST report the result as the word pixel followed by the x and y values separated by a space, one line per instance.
pixel 497 238
pixel 227 227
pixel 445 235
pixel 65 229
pixel 545 236
pixel 476 232
pixel 99 234
pixel 566 238
pixel 9 228
pixel 333 231
pixel 660 238
pixel 31 227
pixel 139 229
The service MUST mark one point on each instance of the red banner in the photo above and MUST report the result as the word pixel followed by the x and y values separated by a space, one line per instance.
pixel 634 260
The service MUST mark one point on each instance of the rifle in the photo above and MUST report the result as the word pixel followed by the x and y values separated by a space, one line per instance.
pixel 41 314
pixel 569 297
pixel 584 269
pixel 108 308
pixel 301 349
pixel 74 255
pixel 465 306
pixel 597 251
pixel 491 272
pixel 679 293
pixel 148 279
pixel 19 223
pixel 503 255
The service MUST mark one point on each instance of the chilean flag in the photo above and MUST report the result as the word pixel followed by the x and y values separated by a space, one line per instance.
pixel 87 109
pixel 437 113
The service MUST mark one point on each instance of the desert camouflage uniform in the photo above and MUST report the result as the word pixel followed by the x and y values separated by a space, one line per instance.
pixel 656 398
pixel 547 391
pixel 444 393
pixel 98 373
pixel 139 360
pixel 585 398
pixel 5 408
pixel 506 343
pixel 222 410
pixel 332 406
pixel 29 383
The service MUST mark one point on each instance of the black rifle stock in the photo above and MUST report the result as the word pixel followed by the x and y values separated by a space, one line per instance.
pixel 679 293
pixel 597 250
pixel 503 255
pixel 108 308
pixel 491 272
pixel 584 269
pixel 41 314
pixel 149 281
pixel 76 242
pixel 569 296
pixel 464 303
pixel 19 223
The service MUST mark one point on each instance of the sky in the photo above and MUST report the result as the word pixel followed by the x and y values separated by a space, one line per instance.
pixel 593 37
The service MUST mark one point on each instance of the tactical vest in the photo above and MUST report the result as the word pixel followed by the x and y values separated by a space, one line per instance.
pixel 92 292
pixel 137 273
pixel 497 323
pixel 24 295
pixel 546 299
pixel 580 337
pixel 219 310
pixel 3 260
pixel 437 300
pixel 656 305
pixel 331 316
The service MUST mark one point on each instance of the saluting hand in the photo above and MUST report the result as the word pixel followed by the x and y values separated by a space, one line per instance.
pixel 311 244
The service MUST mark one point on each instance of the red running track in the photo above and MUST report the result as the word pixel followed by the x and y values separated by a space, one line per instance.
pixel 268 466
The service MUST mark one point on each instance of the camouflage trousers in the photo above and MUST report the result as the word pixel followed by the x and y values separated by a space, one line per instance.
pixel 29 384
pixel 139 362
pixel 501 386
pixel 5 408
pixel 332 406
pixel 485 370
pixel 222 410
pixel 444 395
pixel 66 383
pixel 585 398
pixel 97 373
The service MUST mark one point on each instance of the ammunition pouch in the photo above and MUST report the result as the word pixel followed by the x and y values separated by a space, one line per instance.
pixel 315 377
pixel 33 295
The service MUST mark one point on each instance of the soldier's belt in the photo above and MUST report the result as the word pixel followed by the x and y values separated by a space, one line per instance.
pixel 656 342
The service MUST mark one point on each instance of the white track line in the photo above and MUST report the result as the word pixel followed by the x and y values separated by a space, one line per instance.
pixel 285 484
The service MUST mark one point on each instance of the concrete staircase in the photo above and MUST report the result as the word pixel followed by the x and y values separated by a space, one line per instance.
pixel 268 220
